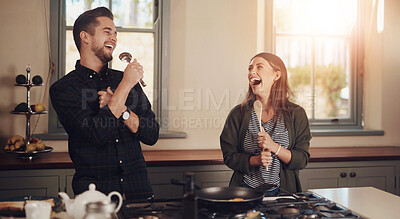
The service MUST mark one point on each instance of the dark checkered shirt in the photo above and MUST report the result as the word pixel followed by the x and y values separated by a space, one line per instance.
pixel 102 149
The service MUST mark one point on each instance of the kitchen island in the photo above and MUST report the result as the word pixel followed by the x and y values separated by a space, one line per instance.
pixel 367 201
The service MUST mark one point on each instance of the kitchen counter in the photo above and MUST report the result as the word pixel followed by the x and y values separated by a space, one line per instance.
pixel 366 201
pixel 57 160
pixel 338 154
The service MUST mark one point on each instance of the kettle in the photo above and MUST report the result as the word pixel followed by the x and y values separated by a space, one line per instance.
pixel 76 208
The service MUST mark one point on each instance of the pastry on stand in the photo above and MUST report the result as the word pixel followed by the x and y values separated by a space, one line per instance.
pixel 28 147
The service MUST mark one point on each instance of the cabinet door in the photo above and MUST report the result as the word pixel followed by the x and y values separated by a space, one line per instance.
pixel 323 178
pixel 160 179
pixel 69 175
pixel 378 177
pixel 213 179
pixel 205 175
pixel 381 177
pixel 29 183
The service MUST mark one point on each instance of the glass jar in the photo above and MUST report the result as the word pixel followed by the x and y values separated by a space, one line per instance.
pixel 100 210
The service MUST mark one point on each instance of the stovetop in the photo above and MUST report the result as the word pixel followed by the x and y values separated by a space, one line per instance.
pixel 306 205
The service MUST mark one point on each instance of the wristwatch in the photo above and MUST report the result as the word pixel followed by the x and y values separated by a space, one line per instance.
pixel 126 114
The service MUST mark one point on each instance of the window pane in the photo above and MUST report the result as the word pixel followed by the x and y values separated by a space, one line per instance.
pixel 127 13
pixel 296 52
pixel 315 16
pixel 133 13
pixel 331 67
pixel 332 78
pixel 77 7
pixel 141 46
pixel 71 52
pixel 315 44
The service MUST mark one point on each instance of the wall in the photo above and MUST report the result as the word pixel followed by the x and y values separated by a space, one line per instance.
pixel 209 58
pixel 390 73
pixel 211 44
pixel 23 40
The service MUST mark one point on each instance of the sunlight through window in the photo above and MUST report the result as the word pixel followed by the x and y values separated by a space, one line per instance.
pixel 317 41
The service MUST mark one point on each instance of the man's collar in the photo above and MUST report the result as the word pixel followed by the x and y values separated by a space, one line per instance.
pixel 91 73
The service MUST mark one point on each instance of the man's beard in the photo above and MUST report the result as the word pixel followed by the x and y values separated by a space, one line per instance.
pixel 101 54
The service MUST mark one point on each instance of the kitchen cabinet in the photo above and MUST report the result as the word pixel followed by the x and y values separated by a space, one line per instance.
pixel 205 176
pixel 318 175
pixel 213 178
pixel 379 174
pixel 49 182
pixel 45 182
pixel 328 168
pixel 160 178
pixel 69 175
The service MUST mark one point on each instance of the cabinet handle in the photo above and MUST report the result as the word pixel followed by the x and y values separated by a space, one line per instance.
pixel 343 174
pixel 353 174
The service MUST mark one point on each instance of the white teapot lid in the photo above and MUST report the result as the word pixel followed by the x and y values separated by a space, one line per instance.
pixel 91 195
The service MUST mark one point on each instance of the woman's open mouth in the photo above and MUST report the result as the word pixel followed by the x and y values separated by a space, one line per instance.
pixel 255 81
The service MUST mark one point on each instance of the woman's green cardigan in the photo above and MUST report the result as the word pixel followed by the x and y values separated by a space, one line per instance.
pixel 232 138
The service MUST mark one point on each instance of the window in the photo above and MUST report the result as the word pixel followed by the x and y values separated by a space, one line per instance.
pixel 142 31
pixel 135 22
pixel 319 41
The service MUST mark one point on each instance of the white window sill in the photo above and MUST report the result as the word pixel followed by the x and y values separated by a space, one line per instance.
pixel 346 132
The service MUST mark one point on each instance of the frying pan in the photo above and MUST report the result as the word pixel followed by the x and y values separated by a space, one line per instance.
pixel 222 199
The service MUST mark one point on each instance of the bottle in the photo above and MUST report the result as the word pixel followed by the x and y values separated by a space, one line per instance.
pixel 189 198
pixel 100 210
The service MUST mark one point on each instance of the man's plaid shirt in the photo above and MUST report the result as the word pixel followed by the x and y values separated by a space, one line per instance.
pixel 103 150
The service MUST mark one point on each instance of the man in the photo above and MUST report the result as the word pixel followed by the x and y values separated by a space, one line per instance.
pixel 104 127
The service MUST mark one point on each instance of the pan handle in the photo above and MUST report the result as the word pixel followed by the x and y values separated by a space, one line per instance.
pixel 267 186
pixel 264 187
pixel 180 183
pixel 292 194
pixel 177 182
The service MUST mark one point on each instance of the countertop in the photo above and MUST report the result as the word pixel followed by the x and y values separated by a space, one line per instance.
pixel 60 160
pixel 365 201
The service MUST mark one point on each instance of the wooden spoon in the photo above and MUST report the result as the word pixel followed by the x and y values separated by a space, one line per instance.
pixel 258 108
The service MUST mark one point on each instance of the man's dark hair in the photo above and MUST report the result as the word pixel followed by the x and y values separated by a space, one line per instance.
pixel 88 22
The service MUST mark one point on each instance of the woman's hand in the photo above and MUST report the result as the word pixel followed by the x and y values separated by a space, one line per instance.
pixel 264 159
pixel 105 97
pixel 266 143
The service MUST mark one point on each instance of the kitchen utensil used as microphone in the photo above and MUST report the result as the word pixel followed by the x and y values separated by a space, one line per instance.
pixel 127 57
pixel 258 108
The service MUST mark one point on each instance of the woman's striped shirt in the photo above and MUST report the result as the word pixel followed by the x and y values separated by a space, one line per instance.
pixel 280 135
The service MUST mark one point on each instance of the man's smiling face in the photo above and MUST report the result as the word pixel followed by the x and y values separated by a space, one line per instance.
pixel 104 39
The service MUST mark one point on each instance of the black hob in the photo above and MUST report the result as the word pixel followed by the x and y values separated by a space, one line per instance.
pixel 305 205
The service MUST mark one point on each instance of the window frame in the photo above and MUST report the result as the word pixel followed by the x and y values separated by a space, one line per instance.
pixel 161 30
pixel 351 125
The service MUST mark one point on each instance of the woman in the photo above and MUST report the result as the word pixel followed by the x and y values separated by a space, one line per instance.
pixel 282 145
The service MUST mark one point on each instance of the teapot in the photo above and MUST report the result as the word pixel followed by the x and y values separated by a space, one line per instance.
pixel 77 207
